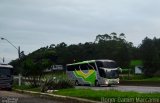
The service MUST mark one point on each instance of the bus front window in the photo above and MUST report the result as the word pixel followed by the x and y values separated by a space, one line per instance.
pixel 110 65
pixel 5 72
pixel 112 74
pixel 108 69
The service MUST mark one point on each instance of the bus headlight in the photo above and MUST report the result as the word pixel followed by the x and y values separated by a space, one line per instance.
pixel 106 82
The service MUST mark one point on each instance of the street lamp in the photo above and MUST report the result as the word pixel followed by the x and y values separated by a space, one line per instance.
pixel 18 49
pixel 19 56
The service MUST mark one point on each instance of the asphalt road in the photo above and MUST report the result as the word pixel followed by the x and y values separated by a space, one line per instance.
pixel 13 97
pixel 141 89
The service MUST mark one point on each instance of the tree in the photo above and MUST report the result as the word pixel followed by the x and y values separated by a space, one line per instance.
pixel 33 71
pixel 150 52
pixel 106 46
pixel 114 47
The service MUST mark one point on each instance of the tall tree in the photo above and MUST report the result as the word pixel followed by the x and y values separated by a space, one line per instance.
pixel 150 51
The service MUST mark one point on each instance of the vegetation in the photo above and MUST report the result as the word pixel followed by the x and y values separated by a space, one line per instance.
pixel 27 87
pixel 105 46
pixel 94 94
pixel 49 84
pixel 150 52
pixel 56 83
pixel 136 63
pixel 98 94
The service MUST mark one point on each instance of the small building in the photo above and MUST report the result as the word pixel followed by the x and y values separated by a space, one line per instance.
pixel 137 66
pixel 138 70
pixel 57 67
pixel 54 68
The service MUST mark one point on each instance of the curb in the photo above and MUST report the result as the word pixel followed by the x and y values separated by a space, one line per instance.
pixel 80 100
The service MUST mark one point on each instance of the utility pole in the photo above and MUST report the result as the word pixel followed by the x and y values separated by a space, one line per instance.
pixel 19 56
pixel 3 60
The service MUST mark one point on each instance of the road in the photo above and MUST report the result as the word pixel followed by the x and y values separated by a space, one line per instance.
pixel 13 97
pixel 141 89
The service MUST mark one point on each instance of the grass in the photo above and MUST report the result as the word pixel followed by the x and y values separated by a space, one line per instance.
pixel 98 94
pixel 139 78
pixel 136 62
pixel 27 87
pixel 152 79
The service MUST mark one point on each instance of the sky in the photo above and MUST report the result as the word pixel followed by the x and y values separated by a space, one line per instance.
pixel 32 24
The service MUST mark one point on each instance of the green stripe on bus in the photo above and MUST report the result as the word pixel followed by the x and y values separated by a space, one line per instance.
pixel 89 79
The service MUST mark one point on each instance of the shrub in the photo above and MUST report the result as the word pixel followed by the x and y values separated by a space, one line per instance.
pixel 53 84
pixel 63 84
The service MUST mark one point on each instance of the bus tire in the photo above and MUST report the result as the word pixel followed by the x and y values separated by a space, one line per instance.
pixel 97 83
pixel 76 83
pixel 9 89
pixel 109 85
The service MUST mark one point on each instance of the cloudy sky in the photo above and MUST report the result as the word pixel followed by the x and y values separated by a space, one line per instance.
pixel 32 24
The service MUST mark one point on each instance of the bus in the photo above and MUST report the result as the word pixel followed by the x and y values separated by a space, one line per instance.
pixel 94 72
pixel 6 76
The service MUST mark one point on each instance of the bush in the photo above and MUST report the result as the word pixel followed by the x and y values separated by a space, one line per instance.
pixel 53 84
pixel 62 84
pixel 124 71
pixel 157 74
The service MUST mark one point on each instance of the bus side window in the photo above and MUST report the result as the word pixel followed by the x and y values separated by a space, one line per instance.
pixel 102 73
pixel 99 64
pixel 76 67
pixel 83 67
pixel 92 66
pixel 70 68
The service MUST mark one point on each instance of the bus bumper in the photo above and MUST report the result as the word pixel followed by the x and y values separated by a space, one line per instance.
pixel 112 81
pixel 4 86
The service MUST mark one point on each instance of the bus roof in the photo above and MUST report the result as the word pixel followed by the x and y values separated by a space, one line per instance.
pixel 91 61
pixel 6 66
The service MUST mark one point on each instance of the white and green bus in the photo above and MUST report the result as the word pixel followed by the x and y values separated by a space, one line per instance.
pixel 94 72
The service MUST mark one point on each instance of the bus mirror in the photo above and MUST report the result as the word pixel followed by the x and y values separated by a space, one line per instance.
pixel 119 70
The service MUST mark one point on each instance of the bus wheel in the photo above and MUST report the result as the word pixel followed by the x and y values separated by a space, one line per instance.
pixel 9 89
pixel 109 85
pixel 76 83
pixel 97 83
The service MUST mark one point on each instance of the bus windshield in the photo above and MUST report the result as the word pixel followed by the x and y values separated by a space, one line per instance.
pixel 103 66
pixel 107 64
pixel 108 74
pixel 110 65
pixel 112 74
pixel 5 71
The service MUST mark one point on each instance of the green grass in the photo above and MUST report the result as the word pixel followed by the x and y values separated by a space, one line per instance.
pixel 136 62
pixel 139 78
pixel 94 94
pixel 98 94
pixel 27 87
pixel 152 79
